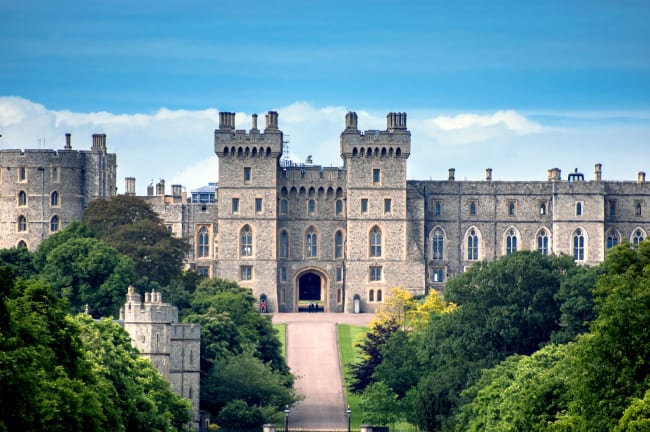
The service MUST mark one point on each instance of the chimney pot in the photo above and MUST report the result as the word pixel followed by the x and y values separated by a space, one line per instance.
pixel 452 174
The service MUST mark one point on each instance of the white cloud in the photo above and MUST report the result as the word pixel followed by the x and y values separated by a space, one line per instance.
pixel 177 145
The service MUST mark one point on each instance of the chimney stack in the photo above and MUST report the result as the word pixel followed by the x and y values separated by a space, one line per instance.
pixel 99 142
pixel 177 191
pixel 598 172
pixel 129 186
pixel 452 174
pixel 68 142
pixel 226 121
pixel 396 121
pixel 254 127
pixel 160 187
pixel 641 177
pixel 488 174
pixel 554 174
pixel 351 120
pixel 272 120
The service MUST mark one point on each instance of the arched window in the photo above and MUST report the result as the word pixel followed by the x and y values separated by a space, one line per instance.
pixel 22 244
pixel 283 206
pixel 472 208
pixel 22 198
pixel 511 242
pixel 338 245
pixel 542 209
pixel 375 242
pixel 579 209
pixel 246 241
pixel 637 209
pixel 438 243
pixel 22 223
pixel 637 238
pixel 379 295
pixel 54 199
pixel 511 208
pixel 311 243
pixel 54 224
pixel 339 207
pixel 371 295
pixel 612 239
pixel 578 245
pixel 472 245
pixel 203 242
pixel 542 242
pixel 284 244
pixel 312 206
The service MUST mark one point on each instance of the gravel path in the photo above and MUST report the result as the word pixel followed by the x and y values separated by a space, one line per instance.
pixel 313 356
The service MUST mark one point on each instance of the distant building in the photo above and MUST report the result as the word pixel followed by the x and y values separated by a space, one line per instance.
pixel 42 191
pixel 173 348
pixel 342 237
pixel 298 233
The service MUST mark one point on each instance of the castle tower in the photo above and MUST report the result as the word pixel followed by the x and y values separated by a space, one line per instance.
pixel 173 348
pixel 247 204
pixel 384 237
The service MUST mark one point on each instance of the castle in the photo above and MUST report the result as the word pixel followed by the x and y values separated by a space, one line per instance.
pixel 299 234
pixel 173 348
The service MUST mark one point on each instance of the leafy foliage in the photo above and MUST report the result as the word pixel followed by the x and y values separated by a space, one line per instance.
pixel 131 226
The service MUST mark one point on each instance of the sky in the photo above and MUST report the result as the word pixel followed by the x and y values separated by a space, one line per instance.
pixel 516 86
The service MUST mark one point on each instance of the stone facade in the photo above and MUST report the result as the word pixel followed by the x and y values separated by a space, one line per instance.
pixel 299 234
pixel 173 348
pixel 342 237
pixel 42 191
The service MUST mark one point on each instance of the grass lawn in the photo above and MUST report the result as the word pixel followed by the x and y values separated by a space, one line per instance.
pixel 282 336
pixel 348 335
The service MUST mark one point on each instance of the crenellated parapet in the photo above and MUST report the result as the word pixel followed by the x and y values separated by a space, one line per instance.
pixel 394 142
pixel 239 143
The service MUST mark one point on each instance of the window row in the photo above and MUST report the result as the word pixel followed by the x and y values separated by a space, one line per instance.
pixel 22 174
pixel 54 199
pixel 511 207
pixel 311 243
pixel 22 224
pixel 472 242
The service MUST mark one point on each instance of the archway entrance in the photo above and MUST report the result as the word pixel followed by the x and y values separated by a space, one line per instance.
pixel 311 295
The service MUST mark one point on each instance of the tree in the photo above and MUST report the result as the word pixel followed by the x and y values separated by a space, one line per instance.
pixel 86 271
pixel 380 405
pixel 19 260
pixel 506 307
pixel 131 226
pixel 370 347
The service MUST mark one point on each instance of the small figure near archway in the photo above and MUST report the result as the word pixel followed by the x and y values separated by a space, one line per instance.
pixel 263 303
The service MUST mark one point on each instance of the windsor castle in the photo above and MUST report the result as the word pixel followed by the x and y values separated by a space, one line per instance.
pixel 299 234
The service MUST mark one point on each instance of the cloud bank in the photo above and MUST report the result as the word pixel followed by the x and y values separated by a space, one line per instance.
pixel 177 145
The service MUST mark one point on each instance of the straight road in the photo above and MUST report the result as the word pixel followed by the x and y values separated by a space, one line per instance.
pixel 313 356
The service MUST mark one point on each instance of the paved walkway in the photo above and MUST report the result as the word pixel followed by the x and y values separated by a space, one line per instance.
pixel 313 356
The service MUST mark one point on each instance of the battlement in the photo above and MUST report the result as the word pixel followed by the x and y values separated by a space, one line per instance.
pixel 231 142
pixel 151 310
pixel 395 141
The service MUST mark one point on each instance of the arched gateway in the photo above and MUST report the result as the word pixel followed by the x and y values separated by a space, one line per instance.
pixel 311 288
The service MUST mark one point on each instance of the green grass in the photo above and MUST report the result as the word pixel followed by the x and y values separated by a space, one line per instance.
pixel 282 336
pixel 348 335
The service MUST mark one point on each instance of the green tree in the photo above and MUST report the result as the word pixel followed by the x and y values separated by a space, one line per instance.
pixel 380 405
pixel 131 226
pixel 20 260
pixel 86 271
pixel 506 307
pixel 75 230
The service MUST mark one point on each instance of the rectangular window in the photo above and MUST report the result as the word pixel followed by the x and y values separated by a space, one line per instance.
pixel 235 205
pixel 283 206
pixel 339 207
pixel 247 174
pixel 638 207
pixel 472 208
pixel 511 208
pixel 246 273
pixel 283 274
pixel 437 208
pixel 203 271
pixel 311 206
pixel 258 205
pixel 55 174
pixel 375 273
pixel 376 176
pixel 387 205
pixel 339 274
pixel 364 205
pixel 22 174
pixel 612 208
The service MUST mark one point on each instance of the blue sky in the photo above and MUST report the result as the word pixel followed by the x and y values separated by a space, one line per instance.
pixel 572 77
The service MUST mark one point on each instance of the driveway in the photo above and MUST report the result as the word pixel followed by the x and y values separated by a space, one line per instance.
pixel 313 356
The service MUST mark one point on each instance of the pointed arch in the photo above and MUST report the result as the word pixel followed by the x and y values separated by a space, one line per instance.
pixel 473 244
pixel 246 241
pixel 437 242
pixel 311 242
pixel 638 235
pixel 375 241
pixel 543 241
pixel 612 238
pixel 579 244
pixel 511 240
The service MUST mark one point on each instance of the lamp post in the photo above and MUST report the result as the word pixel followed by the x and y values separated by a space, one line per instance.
pixel 286 418
pixel 348 411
